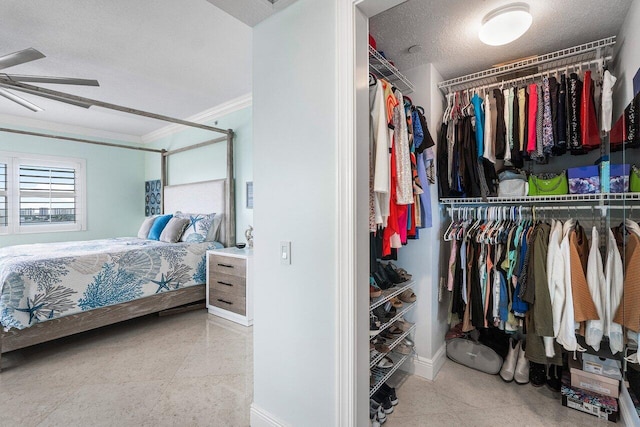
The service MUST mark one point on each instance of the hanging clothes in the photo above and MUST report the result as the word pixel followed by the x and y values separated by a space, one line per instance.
pixel 596 284
pixel 560 146
pixel 628 313
pixel 547 119
pixel 500 128
pixel 589 122
pixel 532 112
pixel 478 110
pixel 574 99
pixel 490 122
pixel 608 81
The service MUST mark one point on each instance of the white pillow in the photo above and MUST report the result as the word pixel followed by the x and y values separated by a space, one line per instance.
pixel 146 226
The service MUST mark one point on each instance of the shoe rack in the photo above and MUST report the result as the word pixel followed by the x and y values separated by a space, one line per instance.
pixel 380 375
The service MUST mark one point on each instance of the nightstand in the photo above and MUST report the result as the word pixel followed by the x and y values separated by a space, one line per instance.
pixel 229 290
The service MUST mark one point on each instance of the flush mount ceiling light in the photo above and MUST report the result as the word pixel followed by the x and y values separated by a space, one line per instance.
pixel 505 24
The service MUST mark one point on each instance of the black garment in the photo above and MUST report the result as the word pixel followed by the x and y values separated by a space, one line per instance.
pixel 501 128
pixel 632 123
pixel 477 304
pixel 442 161
pixel 457 168
pixel 525 143
pixel 469 159
pixel 516 155
pixel 574 99
pixel 458 304
pixel 560 146
pixel 427 141
pixel 553 93
pixel 491 177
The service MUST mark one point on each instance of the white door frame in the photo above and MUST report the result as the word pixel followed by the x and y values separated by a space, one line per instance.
pixel 352 296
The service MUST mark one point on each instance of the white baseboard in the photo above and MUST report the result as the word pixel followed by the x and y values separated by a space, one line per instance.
pixel 424 367
pixel 628 412
pixel 261 418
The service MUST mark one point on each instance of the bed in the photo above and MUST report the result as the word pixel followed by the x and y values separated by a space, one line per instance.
pixel 49 291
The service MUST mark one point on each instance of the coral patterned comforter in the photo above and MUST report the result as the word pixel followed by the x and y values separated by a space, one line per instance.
pixel 47 281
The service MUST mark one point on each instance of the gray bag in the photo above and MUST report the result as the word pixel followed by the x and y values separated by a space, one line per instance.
pixel 474 355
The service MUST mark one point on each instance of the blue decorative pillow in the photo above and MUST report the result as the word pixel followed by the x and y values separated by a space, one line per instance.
pixel 198 228
pixel 158 226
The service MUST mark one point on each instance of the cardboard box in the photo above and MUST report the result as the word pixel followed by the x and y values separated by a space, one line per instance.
pixel 603 407
pixel 601 366
pixel 595 383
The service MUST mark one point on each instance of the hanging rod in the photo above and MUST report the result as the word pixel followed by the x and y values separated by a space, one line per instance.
pixel 594 48
pixel 382 68
pixel 532 77
pixel 88 102
pixel 573 198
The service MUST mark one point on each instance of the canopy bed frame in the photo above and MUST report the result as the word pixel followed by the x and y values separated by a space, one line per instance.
pixel 209 196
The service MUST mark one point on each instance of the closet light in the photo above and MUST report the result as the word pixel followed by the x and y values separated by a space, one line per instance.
pixel 505 24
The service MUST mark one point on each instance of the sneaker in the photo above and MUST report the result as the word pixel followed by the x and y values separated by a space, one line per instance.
pixel 384 400
pixel 391 391
pixel 537 374
pixel 374 326
pixel 385 363
pixel 403 349
pixel 378 410
pixel 509 365
pixel 554 378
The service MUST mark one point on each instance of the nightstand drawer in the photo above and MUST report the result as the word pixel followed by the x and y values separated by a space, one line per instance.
pixel 228 301
pixel 228 265
pixel 227 283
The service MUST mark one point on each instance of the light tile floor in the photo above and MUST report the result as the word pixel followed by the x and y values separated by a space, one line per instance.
pixel 194 369
pixel 190 369
pixel 461 396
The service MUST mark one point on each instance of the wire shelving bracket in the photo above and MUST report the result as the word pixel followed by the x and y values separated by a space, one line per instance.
pixel 382 68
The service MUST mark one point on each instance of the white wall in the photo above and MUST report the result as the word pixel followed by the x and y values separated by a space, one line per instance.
pixel 421 257
pixel 294 127
pixel 627 59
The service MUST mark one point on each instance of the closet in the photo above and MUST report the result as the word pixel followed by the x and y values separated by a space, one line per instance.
pixel 541 239
pixel 511 177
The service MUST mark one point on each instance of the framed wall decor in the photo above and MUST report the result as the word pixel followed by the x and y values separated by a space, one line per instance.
pixel 249 194
pixel 152 197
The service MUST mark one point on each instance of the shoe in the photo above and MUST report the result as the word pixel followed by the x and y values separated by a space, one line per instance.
pixel 374 326
pixel 454 332
pixel 379 411
pixel 373 418
pixel 396 303
pixel 554 378
pixel 374 292
pixel 385 363
pixel 382 348
pixel 403 349
pixel 408 296
pixel 509 365
pixel 383 399
pixel 392 273
pixel 391 391
pixel 537 374
pixel 521 374
pixel 403 324
pixel 408 341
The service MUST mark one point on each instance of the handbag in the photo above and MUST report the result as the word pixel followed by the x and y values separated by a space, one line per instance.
pixel 634 180
pixel 548 184
pixel 474 355
pixel 512 183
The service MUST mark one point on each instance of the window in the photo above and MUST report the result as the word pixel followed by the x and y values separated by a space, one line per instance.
pixel 41 194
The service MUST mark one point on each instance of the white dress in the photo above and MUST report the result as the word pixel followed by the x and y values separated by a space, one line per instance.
pixel 614 284
pixel 608 81
pixel 596 282
pixel 555 280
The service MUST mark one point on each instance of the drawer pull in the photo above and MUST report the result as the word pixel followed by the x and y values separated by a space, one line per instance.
pixel 225 265
pixel 224 301
pixel 225 283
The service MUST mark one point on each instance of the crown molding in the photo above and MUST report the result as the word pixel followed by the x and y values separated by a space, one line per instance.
pixel 26 122
pixel 202 117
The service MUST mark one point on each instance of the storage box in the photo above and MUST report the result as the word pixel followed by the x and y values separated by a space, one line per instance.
pixel 601 366
pixel 619 180
pixel 603 407
pixel 595 383
pixel 584 180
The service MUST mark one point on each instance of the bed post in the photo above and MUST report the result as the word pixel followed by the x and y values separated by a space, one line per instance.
pixel 163 176
pixel 230 204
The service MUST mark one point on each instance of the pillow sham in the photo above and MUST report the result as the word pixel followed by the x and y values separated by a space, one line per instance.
pixel 198 228
pixel 173 230
pixel 146 227
pixel 158 226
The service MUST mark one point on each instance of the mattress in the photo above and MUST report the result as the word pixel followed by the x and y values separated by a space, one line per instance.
pixel 40 282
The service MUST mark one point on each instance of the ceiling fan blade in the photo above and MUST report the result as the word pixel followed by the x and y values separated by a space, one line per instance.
pixel 21 101
pixel 17 58
pixel 54 80
pixel 44 95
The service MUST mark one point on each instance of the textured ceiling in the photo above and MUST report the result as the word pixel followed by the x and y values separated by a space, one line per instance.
pixel 448 31
pixel 251 12
pixel 170 57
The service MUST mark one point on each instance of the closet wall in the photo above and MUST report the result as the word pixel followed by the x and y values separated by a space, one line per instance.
pixel 421 257
pixel 627 60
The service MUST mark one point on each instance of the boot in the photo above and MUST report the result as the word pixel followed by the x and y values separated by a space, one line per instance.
pixel 521 375
pixel 509 365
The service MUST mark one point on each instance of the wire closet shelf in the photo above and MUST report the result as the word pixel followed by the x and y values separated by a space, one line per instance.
pixel 584 55
pixel 572 198
pixel 382 68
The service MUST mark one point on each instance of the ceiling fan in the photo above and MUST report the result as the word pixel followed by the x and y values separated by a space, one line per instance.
pixel 13 81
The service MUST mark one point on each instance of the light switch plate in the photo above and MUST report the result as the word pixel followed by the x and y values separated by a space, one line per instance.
pixel 285 253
